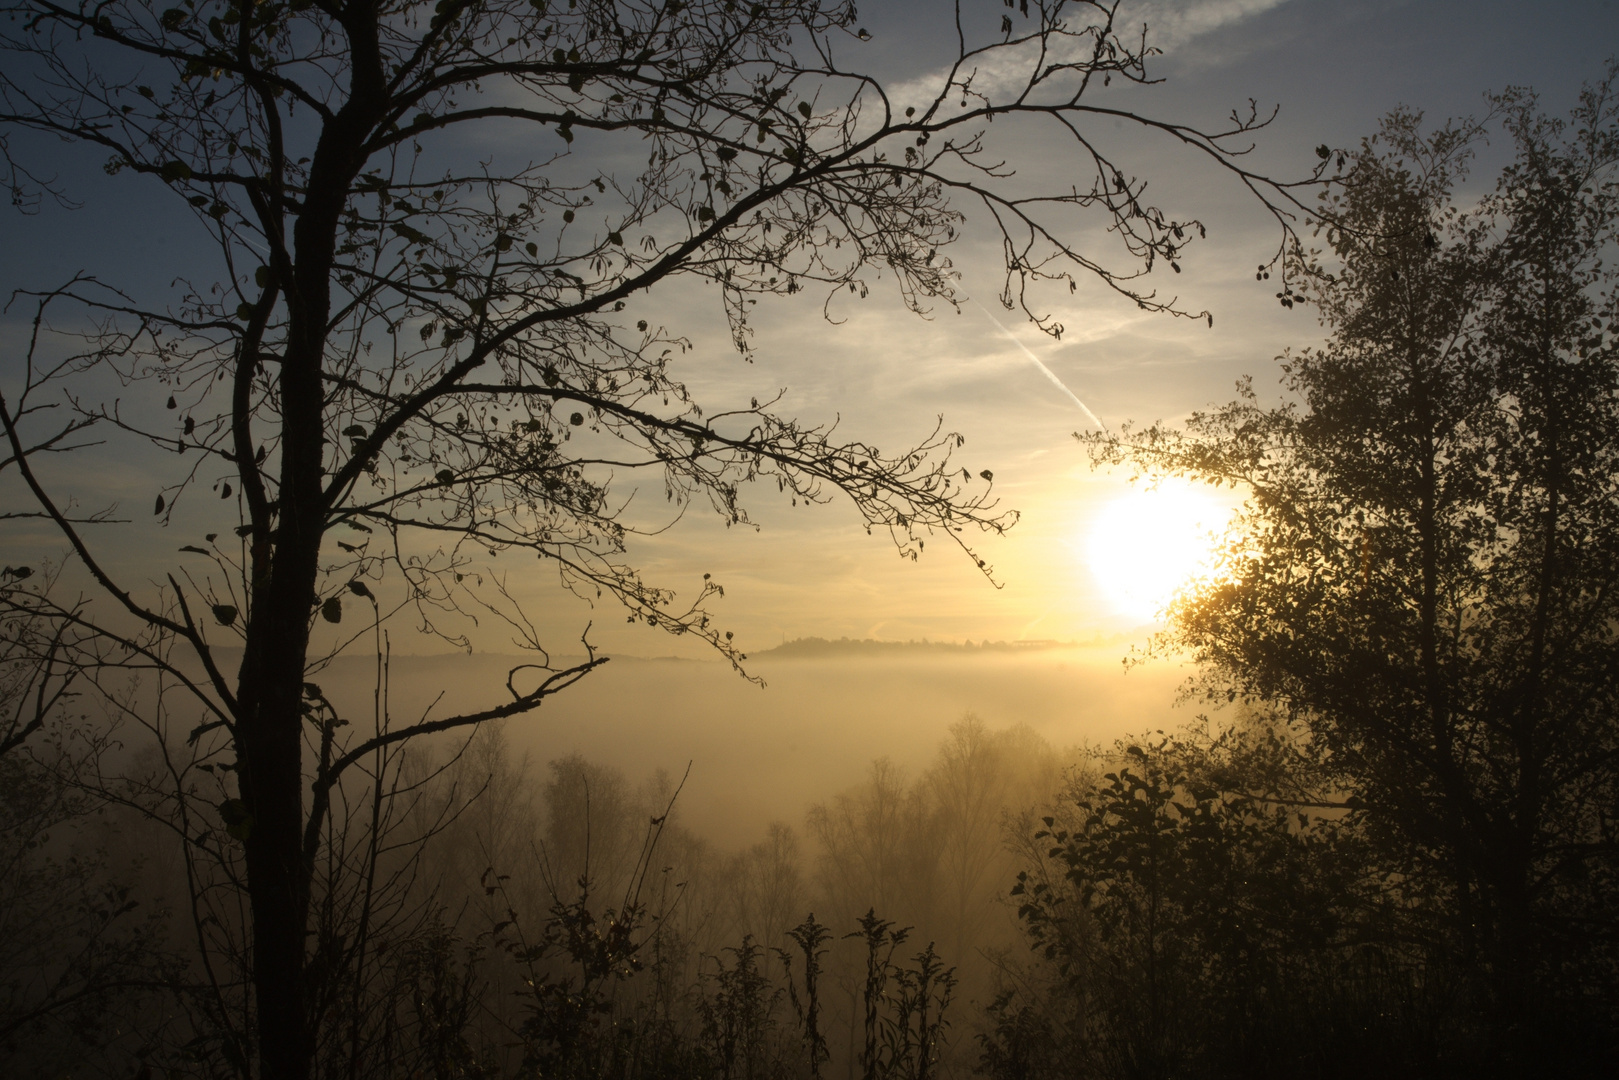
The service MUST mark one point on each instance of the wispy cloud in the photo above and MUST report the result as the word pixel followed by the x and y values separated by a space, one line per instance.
pixel 1047 372
pixel 1171 26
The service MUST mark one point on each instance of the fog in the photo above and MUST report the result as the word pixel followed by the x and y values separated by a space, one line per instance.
pixel 764 753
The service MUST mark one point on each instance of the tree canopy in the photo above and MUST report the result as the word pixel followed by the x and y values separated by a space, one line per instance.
pixel 1424 572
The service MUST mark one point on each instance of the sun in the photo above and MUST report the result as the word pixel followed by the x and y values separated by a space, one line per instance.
pixel 1146 546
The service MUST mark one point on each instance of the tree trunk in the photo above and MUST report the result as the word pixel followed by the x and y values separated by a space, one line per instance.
pixel 1512 967
pixel 271 774
pixel 272 736
pixel 285 574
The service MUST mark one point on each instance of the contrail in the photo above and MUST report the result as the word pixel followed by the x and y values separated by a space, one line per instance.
pixel 1047 372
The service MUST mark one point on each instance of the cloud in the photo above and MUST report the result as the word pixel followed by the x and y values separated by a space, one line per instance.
pixel 1047 372
pixel 1171 26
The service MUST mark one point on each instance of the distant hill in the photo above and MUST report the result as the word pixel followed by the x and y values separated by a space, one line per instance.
pixel 815 648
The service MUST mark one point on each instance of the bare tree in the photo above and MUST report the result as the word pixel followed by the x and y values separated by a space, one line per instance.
pixel 400 361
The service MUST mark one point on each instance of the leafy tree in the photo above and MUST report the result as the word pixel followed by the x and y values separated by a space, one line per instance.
pixel 396 361
pixel 1182 909
pixel 1425 569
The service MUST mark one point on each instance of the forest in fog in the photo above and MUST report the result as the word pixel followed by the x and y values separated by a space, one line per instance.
pixel 455 375
pixel 1008 908
pixel 553 916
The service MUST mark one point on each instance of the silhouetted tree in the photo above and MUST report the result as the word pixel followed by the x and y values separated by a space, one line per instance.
pixel 1425 570
pixel 1188 913
pixel 398 361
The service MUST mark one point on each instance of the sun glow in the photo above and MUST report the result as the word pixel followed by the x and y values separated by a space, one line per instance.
pixel 1146 546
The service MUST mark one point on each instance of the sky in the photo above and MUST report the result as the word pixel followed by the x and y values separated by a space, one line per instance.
pixel 1332 68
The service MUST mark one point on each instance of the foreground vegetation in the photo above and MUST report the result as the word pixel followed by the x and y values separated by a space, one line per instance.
pixel 1203 904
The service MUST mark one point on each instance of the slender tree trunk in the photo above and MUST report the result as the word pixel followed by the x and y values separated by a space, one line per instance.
pixel 278 885
pixel 1515 948
pixel 271 736
pixel 1512 965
